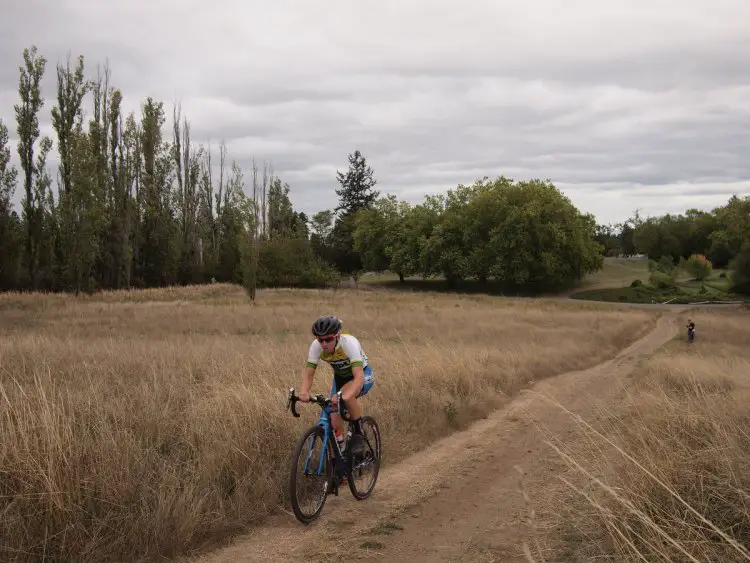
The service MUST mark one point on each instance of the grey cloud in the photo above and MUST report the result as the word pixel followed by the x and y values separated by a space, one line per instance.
pixel 690 66
pixel 621 108
pixel 688 190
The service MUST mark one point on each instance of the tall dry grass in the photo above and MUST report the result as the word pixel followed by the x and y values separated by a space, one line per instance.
pixel 665 476
pixel 144 424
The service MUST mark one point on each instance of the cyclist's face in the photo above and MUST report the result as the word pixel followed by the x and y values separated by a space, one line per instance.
pixel 328 342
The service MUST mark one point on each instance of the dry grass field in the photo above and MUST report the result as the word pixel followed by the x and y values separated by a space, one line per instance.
pixel 137 425
pixel 664 475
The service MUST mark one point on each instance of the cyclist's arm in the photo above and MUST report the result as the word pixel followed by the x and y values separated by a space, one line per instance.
pixel 307 379
pixel 313 357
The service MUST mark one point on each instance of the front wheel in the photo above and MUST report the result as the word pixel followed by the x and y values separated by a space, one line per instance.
pixel 369 461
pixel 311 475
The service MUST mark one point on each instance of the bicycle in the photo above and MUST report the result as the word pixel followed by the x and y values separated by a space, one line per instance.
pixel 333 464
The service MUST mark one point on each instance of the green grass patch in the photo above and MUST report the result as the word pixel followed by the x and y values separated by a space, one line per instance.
pixel 615 272
pixel 681 289
pixel 640 294
pixel 650 294
pixel 611 284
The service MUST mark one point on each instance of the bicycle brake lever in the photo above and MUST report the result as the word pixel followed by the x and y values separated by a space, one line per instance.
pixel 289 396
pixel 292 403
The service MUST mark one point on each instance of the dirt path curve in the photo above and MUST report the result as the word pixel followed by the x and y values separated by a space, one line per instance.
pixel 459 499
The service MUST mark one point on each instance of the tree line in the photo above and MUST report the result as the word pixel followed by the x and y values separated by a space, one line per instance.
pixel 139 204
pixel 704 240
pixel 136 205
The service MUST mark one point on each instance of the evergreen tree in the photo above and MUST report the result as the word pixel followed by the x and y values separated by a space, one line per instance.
pixel 356 194
pixel 357 185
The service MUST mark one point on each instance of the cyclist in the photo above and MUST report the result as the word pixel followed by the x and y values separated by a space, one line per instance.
pixel 691 330
pixel 352 373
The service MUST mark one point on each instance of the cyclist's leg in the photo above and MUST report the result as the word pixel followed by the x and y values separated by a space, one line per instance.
pixel 352 405
pixel 338 424
pixel 368 383
pixel 336 420
pixel 355 409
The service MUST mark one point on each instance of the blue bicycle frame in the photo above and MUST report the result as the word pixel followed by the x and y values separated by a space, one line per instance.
pixel 324 422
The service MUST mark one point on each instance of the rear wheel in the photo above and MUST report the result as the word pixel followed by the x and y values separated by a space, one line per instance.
pixel 311 475
pixel 366 464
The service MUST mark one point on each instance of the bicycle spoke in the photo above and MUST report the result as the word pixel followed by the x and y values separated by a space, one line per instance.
pixel 368 463
pixel 311 479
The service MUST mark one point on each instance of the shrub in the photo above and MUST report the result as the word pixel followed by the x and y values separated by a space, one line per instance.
pixel 293 263
pixel 666 265
pixel 661 280
pixel 636 283
pixel 698 266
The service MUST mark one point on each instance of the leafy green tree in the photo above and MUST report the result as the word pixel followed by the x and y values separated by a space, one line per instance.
pixel 610 239
pixel 346 259
pixel 410 254
pixel 732 228
pixel 388 235
pixel 322 224
pixel 740 266
pixel 375 232
pixel 10 227
pixel 656 238
pixel 524 233
pixel 80 215
pixel 321 229
pixel 158 249
pixel 291 262
pixel 627 238
pixel 444 252
pixel 72 87
pixel 238 220
pixel 281 215
pixel 27 119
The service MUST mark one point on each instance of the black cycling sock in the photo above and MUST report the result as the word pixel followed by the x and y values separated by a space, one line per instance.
pixel 357 425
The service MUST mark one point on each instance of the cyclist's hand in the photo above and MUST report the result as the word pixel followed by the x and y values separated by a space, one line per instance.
pixel 304 396
pixel 335 400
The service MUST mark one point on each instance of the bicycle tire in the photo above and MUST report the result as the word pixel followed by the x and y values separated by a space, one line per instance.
pixel 296 508
pixel 367 420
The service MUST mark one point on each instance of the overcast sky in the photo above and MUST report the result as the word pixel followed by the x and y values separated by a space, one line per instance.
pixel 623 104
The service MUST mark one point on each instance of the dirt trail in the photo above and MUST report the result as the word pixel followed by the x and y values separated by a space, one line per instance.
pixel 441 504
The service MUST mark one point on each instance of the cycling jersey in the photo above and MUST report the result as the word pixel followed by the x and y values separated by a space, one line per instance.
pixel 347 354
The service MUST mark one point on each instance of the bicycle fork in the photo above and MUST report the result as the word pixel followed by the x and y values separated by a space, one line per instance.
pixel 334 456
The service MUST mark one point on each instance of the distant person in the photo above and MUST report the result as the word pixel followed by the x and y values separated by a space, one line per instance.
pixel 352 374
pixel 691 330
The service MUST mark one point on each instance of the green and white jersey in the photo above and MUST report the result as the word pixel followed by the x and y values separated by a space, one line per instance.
pixel 347 354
